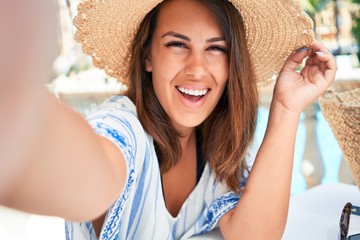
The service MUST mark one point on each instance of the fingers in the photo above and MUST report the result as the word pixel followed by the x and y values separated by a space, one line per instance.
pixel 322 57
pixel 330 65
pixel 317 46
pixel 295 59
pixel 318 56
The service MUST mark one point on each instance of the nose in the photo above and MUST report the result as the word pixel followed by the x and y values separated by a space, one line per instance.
pixel 196 68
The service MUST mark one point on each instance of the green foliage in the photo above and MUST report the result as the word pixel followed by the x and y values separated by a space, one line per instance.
pixel 319 4
pixel 313 6
pixel 356 26
pixel 356 30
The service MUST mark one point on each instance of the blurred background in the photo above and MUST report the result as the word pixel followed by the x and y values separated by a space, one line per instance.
pixel 318 158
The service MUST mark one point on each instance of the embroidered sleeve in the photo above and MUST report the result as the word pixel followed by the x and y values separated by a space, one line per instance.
pixel 117 121
pixel 219 199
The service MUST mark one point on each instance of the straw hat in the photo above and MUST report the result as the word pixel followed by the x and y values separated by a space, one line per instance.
pixel 105 29
pixel 341 108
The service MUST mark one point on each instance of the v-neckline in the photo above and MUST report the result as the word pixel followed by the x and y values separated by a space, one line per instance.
pixel 200 167
pixel 169 215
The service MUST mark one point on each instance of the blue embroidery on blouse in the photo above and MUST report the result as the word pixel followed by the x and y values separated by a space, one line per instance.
pixel 218 208
pixel 68 226
pixel 116 135
pixel 110 231
pixel 139 192
pixel 116 210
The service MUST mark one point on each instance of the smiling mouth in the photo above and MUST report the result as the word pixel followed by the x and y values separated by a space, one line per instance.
pixel 193 95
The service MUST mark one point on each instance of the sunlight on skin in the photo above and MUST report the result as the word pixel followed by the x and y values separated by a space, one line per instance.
pixel 27 46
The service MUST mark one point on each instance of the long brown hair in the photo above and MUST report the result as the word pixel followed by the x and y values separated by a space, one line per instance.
pixel 230 128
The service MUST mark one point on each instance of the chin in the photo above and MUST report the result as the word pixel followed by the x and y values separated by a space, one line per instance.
pixel 190 122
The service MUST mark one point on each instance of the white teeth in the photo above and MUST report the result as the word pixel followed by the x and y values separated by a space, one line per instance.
pixel 193 92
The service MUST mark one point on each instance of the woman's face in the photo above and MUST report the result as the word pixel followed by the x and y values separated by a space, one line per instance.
pixel 188 61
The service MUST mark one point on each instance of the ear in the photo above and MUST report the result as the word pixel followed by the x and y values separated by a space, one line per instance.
pixel 148 65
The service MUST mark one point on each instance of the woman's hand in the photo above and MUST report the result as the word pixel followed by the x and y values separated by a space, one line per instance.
pixel 294 90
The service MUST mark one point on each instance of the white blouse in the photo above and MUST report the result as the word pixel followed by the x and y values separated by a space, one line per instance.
pixel 140 211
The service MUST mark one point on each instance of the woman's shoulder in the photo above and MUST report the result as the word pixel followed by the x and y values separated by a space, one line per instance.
pixel 116 108
pixel 118 102
pixel 117 117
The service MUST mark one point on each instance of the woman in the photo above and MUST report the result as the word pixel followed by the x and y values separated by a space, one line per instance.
pixel 171 153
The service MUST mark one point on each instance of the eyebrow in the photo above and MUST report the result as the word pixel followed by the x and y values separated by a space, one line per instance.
pixel 181 36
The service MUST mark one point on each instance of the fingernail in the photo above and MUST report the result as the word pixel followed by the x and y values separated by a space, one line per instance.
pixel 320 53
pixel 302 49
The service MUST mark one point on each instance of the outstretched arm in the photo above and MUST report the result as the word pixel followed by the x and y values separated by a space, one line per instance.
pixel 51 162
pixel 262 209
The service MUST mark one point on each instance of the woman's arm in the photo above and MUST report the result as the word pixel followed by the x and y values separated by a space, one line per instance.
pixel 262 209
pixel 51 161
pixel 68 170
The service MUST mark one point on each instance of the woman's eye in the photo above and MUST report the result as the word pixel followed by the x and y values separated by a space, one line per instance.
pixel 175 44
pixel 218 48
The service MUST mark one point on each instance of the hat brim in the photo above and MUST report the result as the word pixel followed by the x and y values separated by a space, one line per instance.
pixel 274 29
pixel 341 108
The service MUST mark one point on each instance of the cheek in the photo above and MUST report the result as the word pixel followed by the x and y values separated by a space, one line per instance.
pixel 161 85
pixel 164 63
pixel 163 72
pixel 221 73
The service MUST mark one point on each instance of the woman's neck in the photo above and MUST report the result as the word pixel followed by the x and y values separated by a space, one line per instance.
pixel 187 139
